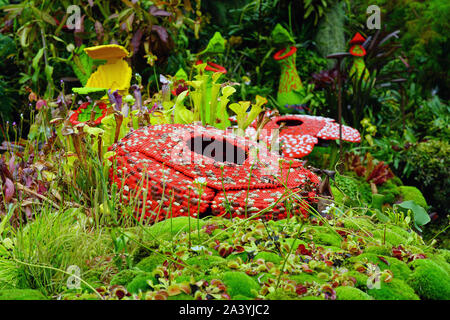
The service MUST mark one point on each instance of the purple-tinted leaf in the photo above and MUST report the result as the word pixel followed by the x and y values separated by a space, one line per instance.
pixel 136 40
pixel 116 99
pixel 161 31
pixel 11 164
pixel 137 96
pixel 9 190
pixel 28 212
pixel 99 30
pixel 41 188
pixel 154 11
pixel 125 110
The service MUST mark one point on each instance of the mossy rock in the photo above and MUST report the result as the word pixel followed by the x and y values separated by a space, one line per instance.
pixel 268 257
pixel 21 294
pixel 169 228
pixel 239 283
pixel 206 262
pixel 412 193
pixel 149 263
pixel 124 277
pixel 395 290
pixel 398 268
pixel 430 280
pixel 351 293
pixel 140 283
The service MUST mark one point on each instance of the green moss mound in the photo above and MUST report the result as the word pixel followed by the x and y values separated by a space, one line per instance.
pixel 390 191
pixel 412 193
pixel 383 250
pixel 241 297
pixel 139 283
pixel 361 279
pixel 390 237
pixel 239 283
pixel 124 277
pixel 323 235
pixel 358 223
pixel 149 263
pixel 205 262
pixel 280 294
pixel 21 294
pixel 168 229
pixel 398 268
pixel 268 256
pixel 395 290
pixel 306 277
pixel 430 280
pixel 350 293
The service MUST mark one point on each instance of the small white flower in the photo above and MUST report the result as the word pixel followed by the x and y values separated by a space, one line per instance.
pixel 328 208
pixel 200 181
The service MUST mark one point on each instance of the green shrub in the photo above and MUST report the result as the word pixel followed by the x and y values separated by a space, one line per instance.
pixel 431 170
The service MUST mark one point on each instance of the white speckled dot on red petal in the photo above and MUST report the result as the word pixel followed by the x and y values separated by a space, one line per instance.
pixel 331 131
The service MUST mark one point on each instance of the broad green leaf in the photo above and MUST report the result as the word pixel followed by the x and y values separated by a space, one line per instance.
pixel 421 217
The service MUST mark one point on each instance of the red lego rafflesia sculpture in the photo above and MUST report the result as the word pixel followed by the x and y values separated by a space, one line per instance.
pixel 174 170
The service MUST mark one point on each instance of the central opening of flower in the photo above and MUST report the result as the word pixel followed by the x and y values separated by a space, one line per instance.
pixel 290 122
pixel 219 150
